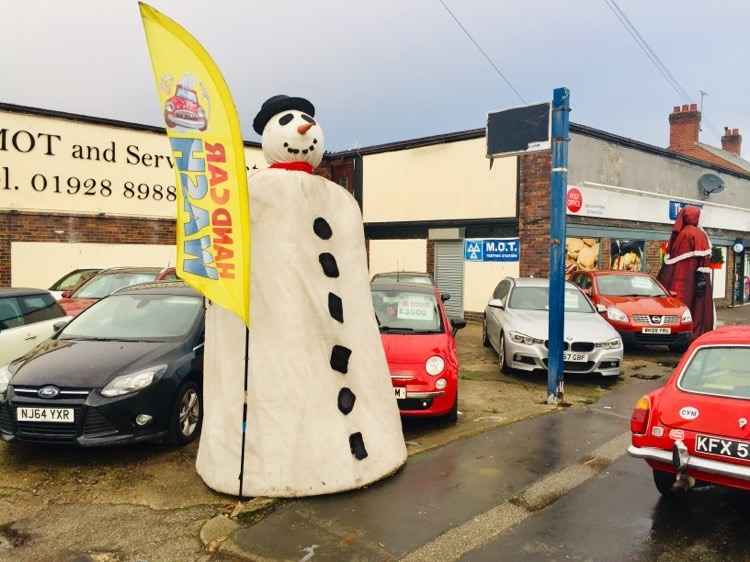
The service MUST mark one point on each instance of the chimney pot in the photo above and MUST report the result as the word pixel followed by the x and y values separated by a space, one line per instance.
pixel 732 141
pixel 693 107
pixel 685 107
pixel 676 109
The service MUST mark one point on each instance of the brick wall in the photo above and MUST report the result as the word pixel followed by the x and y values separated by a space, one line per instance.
pixel 431 257
pixel 533 216
pixel 25 227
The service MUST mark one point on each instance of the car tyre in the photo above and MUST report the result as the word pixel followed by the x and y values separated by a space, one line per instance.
pixel 187 415
pixel 664 482
pixel 501 359
pixel 485 339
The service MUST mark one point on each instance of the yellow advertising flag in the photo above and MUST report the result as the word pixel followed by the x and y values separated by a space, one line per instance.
pixel 213 203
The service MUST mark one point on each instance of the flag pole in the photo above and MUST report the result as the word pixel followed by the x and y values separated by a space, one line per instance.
pixel 244 409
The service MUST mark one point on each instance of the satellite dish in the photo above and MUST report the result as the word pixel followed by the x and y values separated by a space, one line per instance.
pixel 710 183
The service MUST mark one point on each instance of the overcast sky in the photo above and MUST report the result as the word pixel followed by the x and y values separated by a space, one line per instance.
pixel 387 70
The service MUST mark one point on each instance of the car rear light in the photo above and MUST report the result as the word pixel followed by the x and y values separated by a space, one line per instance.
pixel 639 419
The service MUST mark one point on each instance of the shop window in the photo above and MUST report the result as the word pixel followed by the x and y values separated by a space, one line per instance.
pixel 581 254
pixel 719 270
pixel 627 255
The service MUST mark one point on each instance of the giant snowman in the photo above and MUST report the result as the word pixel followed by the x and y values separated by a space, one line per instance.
pixel 321 415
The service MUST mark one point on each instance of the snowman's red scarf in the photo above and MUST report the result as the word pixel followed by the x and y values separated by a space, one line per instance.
pixel 294 166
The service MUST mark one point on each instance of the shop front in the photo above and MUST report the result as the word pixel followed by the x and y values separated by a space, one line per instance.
pixel 617 228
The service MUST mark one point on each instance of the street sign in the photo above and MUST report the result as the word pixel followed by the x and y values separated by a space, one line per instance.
pixel 518 131
pixel 492 249
pixel 676 206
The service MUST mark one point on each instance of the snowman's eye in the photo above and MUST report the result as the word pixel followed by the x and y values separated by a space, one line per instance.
pixel 286 118
pixel 308 118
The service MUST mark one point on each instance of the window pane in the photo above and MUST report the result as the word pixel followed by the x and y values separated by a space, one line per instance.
pixel 38 308
pixel 719 370
pixel 10 313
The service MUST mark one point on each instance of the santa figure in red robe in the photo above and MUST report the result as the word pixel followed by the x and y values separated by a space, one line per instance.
pixel 686 269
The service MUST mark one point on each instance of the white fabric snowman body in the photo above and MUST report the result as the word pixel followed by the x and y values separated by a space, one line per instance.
pixel 321 413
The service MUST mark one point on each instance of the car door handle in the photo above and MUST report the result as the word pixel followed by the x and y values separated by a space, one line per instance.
pixel 28 338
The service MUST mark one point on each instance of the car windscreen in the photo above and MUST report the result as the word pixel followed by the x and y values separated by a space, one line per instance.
pixel 72 280
pixel 133 317
pixel 407 311
pixel 718 370
pixel 629 286
pixel 187 94
pixel 536 298
pixel 104 285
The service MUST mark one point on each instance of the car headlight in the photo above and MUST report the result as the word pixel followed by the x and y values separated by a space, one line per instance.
pixel 616 314
pixel 434 365
pixel 614 343
pixel 4 379
pixel 686 316
pixel 133 382
pixel 518 337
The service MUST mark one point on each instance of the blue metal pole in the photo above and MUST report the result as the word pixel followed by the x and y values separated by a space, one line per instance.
pixel 560 139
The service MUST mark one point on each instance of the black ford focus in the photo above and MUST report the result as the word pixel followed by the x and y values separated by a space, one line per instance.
pixel 126 370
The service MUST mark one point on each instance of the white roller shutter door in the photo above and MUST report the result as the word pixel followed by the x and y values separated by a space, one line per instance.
pixel 449 274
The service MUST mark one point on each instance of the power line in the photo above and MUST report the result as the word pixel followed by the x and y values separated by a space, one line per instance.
pixel 647 50
pixel 484 53
pixel 654 58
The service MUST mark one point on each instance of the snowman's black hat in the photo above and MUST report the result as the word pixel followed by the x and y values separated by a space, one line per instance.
pixel 277 104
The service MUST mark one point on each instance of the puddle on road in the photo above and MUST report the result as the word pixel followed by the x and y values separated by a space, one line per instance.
pixel 12 538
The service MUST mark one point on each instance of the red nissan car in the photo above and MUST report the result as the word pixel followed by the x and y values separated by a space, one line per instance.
pixel 104 284
pixel 694 429
pixel 419 344
pixel 638 307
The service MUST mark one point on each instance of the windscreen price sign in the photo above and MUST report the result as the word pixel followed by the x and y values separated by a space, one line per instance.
pixel 492 249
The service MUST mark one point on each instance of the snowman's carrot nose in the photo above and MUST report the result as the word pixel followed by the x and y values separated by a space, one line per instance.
pixel 302 129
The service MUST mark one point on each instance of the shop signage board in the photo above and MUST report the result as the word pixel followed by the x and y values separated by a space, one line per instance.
pixel 630 204
pixel 492 249
pixel 49 164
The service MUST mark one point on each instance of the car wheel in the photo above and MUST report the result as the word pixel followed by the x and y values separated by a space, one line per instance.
pixel 664 482
pixel 501 359
pixel 485 339
pixel 187 415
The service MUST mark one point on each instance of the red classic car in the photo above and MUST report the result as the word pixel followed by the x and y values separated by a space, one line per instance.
pixel 694 429
pixel 419 344
pixel 183 110
pixel 638 307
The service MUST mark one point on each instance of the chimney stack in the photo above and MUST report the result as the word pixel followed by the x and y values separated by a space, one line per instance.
pixel 684 126
pixel 732 141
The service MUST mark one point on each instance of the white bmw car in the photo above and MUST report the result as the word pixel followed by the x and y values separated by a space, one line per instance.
pixel 516 327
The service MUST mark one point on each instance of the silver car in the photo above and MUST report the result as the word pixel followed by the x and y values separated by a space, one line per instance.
pixel 515 325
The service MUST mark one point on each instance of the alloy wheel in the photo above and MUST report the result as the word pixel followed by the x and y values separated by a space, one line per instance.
pixel 190 410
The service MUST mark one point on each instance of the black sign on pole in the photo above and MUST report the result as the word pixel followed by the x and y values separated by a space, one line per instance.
pixel 518 131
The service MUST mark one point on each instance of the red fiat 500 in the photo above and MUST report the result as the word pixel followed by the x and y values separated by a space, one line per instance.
pixel 638 307
pixel 420 347
pixel 695 429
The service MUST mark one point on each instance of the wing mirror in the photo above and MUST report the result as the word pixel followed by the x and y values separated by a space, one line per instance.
pixel 445 297
pixel 457 325
pixel 496 303
pixel 58 326
pixel 601 308
pixel 67 294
